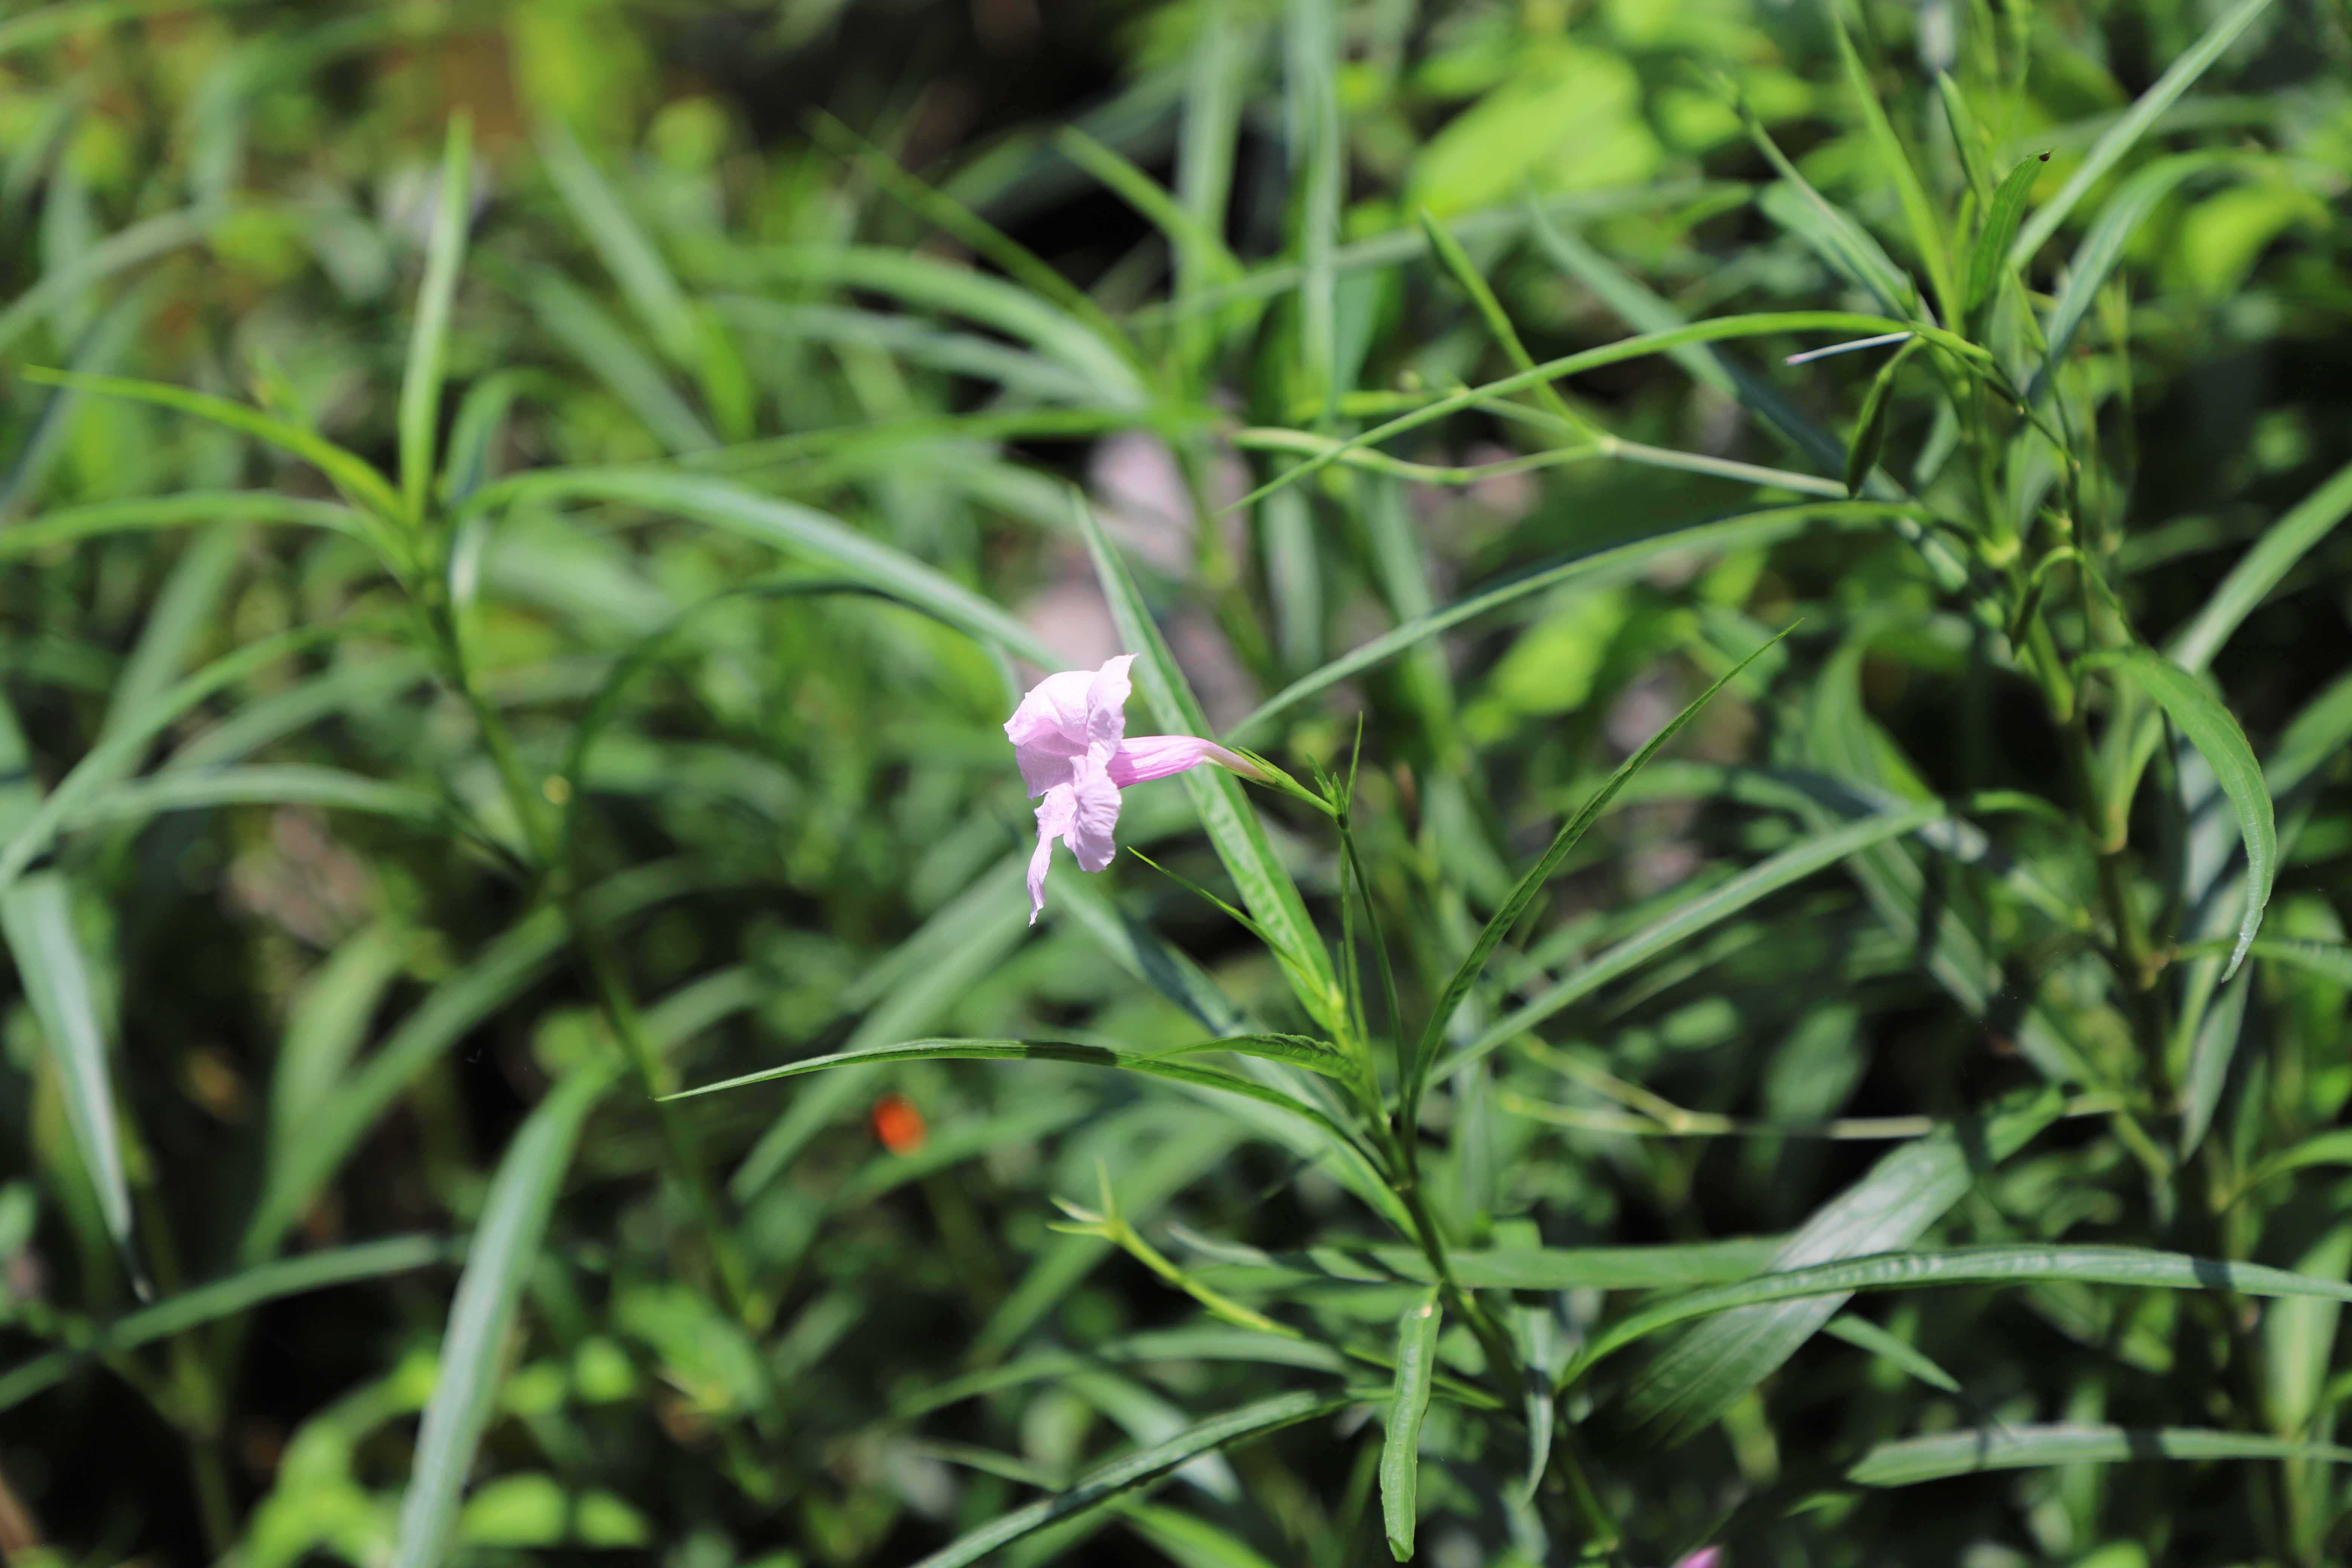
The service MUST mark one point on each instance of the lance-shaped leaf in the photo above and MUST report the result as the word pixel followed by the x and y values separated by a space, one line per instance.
pixel 1870 428
pixel 1124 1474
pixel 428 343
pixel 506 1243
pixel 38 922
pixel 2121 136
pixel 1700 1375
pixel 1266 888
pixel 1416 1358
pixel 1992 252
pixel 1915 1459
pixel 1474 963
pixel 2209 728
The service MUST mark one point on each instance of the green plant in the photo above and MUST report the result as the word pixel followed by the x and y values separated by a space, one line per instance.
pixel 1894 747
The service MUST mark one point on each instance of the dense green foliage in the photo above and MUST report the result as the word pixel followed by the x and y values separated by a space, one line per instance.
pixel 1790 992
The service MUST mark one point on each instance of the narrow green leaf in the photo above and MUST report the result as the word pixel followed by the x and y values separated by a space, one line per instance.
pixel 1990 256
pixel 1314 1055
pixel 2131 1266
pixel 1188 1540
pixel 127 737
pixel 787 525
pixel 1474 964
pixel 907 990
pixel 991 301
pixel 1207 138
pixel 1913 1460
pixel 1709 908
pixel 1868 1337
pixel 1664 1266
pixel 37 917
pixel 2214 1048
pixel 1448 250
pixel 506 1243
pixel 449 1011
pixel 1018 263
pixel 576 320
pixel 1646 310
pixel 1199 247
pixel 2330 1148
pixel 184 611
pixel 1746 531
pixel 1535 1333
pixel 2215 734
pixel 1030 1050
pixel 1416 1358
pixel 1720 329
pixel 97 350
pixel 218 1299
pixel 2330 959
pixel 326 1023
pixel 2253 576
pixel 188 509
pixel 620 243
pixel 428 343
pixel 474 433
pixel 352 685
pixel 1191 1147
pixel 1895 166
pixel 1143 952
pixel 1266 888
pixel 349 473
pixel 2103 247
pixel 143 241
pixel 1702 1373
pixel 1217 1342
pixel 1399 246
pixel 1870 426
pixel 2299 1337
pixel 284 783
pixel 1969 139
pixel 1018 371
pixel 1317 147
pixel 1125 1474
pixel 2125 133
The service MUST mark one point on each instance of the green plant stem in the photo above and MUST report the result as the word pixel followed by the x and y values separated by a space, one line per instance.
pixel 1502 1366
pixel 685 1163
pixel 197 1399
pixel 613 995
pixel 1602 1534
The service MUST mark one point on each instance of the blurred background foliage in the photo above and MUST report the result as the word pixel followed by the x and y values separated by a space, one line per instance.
pixel 327 1002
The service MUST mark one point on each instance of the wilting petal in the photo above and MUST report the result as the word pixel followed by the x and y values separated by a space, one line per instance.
pixel 1096 814
pixel 1148 757
pixel 1106 697
pixel 1054 814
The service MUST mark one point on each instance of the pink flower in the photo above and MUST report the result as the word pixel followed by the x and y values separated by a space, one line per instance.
pixel 1069 735
pixel 1704 1557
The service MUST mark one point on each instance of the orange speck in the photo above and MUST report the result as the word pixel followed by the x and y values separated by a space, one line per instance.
pixel 899 1124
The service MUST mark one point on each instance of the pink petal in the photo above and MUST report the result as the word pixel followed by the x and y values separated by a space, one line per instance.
pixel 1148 757
pixel 1042 768
pixel 1704 1557
pixel 1054 813
pixel 1049 729
pixel 1106 697
pixel 1096 814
